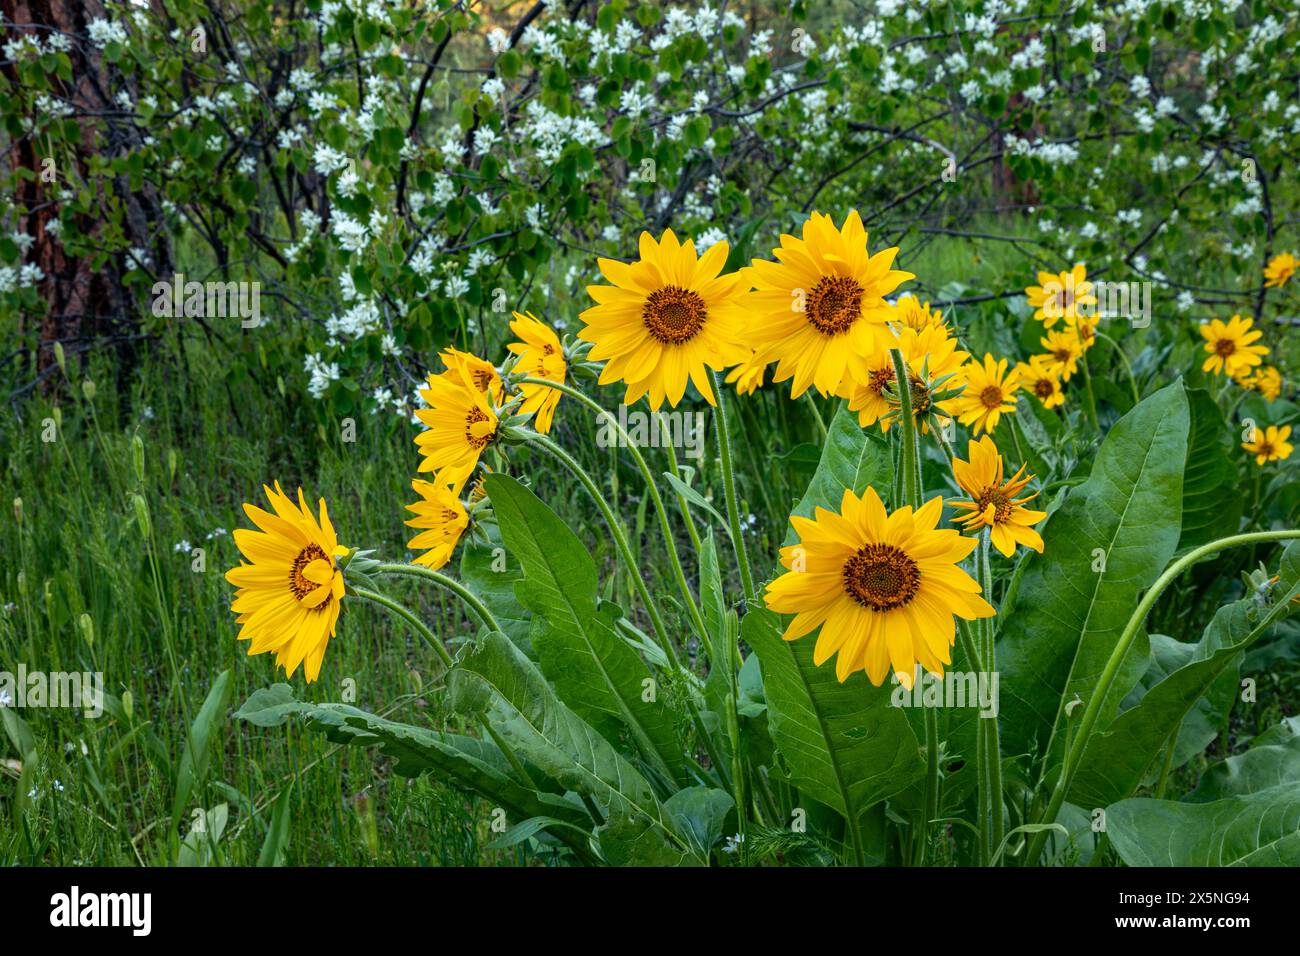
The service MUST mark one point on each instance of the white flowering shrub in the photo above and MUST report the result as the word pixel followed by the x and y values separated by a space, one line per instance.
pixel 397 176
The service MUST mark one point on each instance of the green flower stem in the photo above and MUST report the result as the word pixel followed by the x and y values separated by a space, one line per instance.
pixel 732 637
pixel 911 455
pixel 383 600
pixel 1092 711
pixel 687 519
pixel 450 584
pixel 1171 745
pixel 817 415
pixel 975 659
pixel 989 725
pixel 729 487
pixel 692 607
pixel 638 581
pixel 1092 418
pixel 910 467
pixel 1128 366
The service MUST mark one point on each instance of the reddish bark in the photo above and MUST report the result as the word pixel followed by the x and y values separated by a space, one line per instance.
pixel 85 306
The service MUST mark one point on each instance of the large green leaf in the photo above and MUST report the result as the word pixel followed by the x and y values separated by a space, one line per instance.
pixel 851 458
pixel 595 671
pixel 1272 761
pixel 845 745
pixel 1258 829
pixel 1109 540
pixel 475 764
pixel 700 813
pixel 1211 507
pixel 501 687
pixel 1118 758
pixel 491 572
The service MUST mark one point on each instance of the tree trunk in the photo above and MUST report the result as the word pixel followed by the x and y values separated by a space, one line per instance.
pixel 86 305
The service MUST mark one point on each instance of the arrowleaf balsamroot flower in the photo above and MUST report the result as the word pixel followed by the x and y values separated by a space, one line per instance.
pixel 821 309
pixel 1269 444
pixel 666 319
pixel 1280 269
pixel 990 394
pixel 993 501
pixel 911 313
pixel 443 518
pixel 1059 297
pixel 540 356
pixel 930 354
pixel 1039 378
pixel 883 588
pixel 289 593
pixel 459 424
pixel 474 369
pixel 1267 381
pixel 1063 353
pixel 747 376
pixel 1230 346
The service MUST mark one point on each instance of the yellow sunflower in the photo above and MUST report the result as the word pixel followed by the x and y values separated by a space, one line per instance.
pixel 1063 352
pixel 821 308
pixel 666 319
pixel 866 394
pixel 747 376
pixel 931 355
pixel 883 588
pixel 459 424
pixel 1230 346
pixel 540 356
pixel 1267 381
pixel 1280 269
pixel 444 519
pixel 1270 444
pixel 1086 330
pixel 1038 376
pixel 993 501
pixel 1060 296
pixel 474 369
pixel 989 394
pixel 289 593
pixel 911 313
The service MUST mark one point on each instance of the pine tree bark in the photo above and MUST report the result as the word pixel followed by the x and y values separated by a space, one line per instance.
pixel 87 305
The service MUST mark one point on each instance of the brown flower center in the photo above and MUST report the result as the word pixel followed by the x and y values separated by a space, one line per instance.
pixel 1225 347
pixel 879 379
pixel 674 315
pixel 991 397
pixel 1265 448
pixel 298 582
pixel 482 378
pixel 834 304
pixel 881 577
pixel 477 442
pixel 1044 388
pixel 1065 298
pixel 1062 356
pixel 996 497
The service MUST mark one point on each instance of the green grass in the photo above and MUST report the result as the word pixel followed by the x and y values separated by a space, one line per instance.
pixel 163 632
